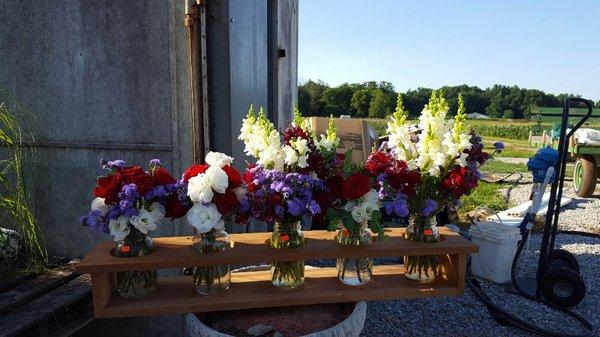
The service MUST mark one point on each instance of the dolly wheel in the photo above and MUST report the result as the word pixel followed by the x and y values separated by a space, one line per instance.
pixel 563 287
pixel 564 259
pixel 584 176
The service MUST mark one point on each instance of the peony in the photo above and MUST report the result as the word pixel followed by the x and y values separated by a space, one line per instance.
pixel 147 218
pixel 200 188
pixel 136 175
pixel 226 202
pixel 119 228
pixel 218 159
pixel 109 187
pixel 205 217
pixel 99 205
pixel 235 179
pixel 162 177
pixel 193 171
pixel 218 178
pixel 175 208
pixel 355 186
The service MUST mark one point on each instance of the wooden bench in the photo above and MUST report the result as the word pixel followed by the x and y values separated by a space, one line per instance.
pixel 55 303
pixel 254 290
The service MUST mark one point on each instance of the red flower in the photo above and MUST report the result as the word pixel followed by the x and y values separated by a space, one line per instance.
pixel 109 187
pixel 294 132
pixel 460 181
pixel 356 186
pixel 276 199
pixel 162 177
pixel 194 170
pixel 248 178
pixel 175 209
pixel 335 185
pixel 136 175
pixel 377 162
pixel 226 202
pixel 235 179
pixel 401 179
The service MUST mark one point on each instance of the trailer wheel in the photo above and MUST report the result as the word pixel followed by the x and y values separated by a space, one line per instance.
pixel 584 176
pixel 563 287
pixel 564 258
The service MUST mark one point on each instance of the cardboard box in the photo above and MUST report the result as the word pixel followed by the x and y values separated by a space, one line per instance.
pixel 355 134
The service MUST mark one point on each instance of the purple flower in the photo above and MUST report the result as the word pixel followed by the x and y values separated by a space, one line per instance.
pixel 295 207
pixel 156 193
pixel 429 207
pixel 95 221
pixel 155 162
pixel 314 207
pixel 499 146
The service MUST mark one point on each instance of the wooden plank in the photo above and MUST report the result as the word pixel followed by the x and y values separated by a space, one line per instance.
pixel 254 290
pixel 175 252
pixel 44 307
pixel 11 299
pixel 103 286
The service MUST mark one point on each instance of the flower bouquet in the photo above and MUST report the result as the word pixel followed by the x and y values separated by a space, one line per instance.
pixel 129 203
pixel 355 212
pixel 421 174
pixel 281 187
pixel 215 190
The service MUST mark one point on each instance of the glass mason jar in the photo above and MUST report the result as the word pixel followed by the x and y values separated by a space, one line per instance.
pixel 211 279
pixel 422 268
pixel 288 274
pixel 354 271
pixel 137 283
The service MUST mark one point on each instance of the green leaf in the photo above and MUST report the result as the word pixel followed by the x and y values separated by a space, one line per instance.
pixel 349 222
pixel 333 220
pixel 375 223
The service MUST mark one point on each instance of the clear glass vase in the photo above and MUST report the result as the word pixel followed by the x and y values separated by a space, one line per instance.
pixel 426 267
pixel 137 283
pixel 354 271
pixel 288 274
pixel 211 279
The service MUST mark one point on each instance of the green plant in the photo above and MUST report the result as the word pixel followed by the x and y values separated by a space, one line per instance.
pixel 13 194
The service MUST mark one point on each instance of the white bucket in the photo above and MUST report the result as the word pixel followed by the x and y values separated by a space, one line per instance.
pixel 497 247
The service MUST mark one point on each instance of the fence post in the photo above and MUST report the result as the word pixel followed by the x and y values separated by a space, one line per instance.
pixel 530 138
pixel 544 138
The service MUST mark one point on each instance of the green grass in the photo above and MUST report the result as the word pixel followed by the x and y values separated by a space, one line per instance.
pixel 486 195
pixel 496 166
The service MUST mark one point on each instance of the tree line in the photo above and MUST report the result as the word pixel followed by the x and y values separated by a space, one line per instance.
pixel 378 99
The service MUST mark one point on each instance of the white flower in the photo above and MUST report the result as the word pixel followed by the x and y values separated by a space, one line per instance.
pixel 326 143
pixel 147 219
pixel 200 189
pixel 303 161
pixel 300 145
pixel 99 205
pixel 360 214
pixel 119 228
pixel 205 217
pixel 291 157
pixel 218 178
pixel 218 159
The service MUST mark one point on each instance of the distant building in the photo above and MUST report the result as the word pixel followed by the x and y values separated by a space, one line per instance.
pixel 477 115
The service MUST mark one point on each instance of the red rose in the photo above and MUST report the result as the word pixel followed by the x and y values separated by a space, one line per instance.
pixel 248 178
pixel 136 175
pixel 377 162
pixel 235 179
pixel 162 177
pixel 194 170
pixel 175 209
pixel 226 202
pixel 356 186
pixel 109 187
pixel 334 184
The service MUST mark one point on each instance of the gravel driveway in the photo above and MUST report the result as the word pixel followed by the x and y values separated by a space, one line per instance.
pixel 467 316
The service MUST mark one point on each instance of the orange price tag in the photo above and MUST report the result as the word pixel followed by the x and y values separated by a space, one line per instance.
pixel 428 232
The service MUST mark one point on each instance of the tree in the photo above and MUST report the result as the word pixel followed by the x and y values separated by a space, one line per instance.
pixel 508 114
pixel 336 100
pixel 361 101
pixel 381 104
pixel 309 101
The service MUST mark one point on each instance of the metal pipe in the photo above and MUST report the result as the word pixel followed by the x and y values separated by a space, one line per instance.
pixel 198 110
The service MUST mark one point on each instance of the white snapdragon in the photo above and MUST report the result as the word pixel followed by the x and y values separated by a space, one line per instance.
pixel 148 217
pixel 205 217
pixel 326 143
pixel 218 159
pixel 119 228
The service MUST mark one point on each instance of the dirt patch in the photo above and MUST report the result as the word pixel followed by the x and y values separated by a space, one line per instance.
pixel 289 321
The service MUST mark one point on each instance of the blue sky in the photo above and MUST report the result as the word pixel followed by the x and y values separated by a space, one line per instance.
pixel 549 45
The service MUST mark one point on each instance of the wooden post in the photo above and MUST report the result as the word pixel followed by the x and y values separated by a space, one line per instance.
pixel 544 138
pixel 529 140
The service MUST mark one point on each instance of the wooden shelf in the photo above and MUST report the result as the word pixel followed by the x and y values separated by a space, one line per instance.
pixel 175 252
pixel 254 290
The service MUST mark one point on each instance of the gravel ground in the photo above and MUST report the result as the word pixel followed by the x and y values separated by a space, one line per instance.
pixel 467 316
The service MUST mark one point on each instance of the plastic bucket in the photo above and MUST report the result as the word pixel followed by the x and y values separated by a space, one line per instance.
pixel 497 247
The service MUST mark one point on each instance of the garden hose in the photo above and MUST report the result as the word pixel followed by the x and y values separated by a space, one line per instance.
pixel 508 319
